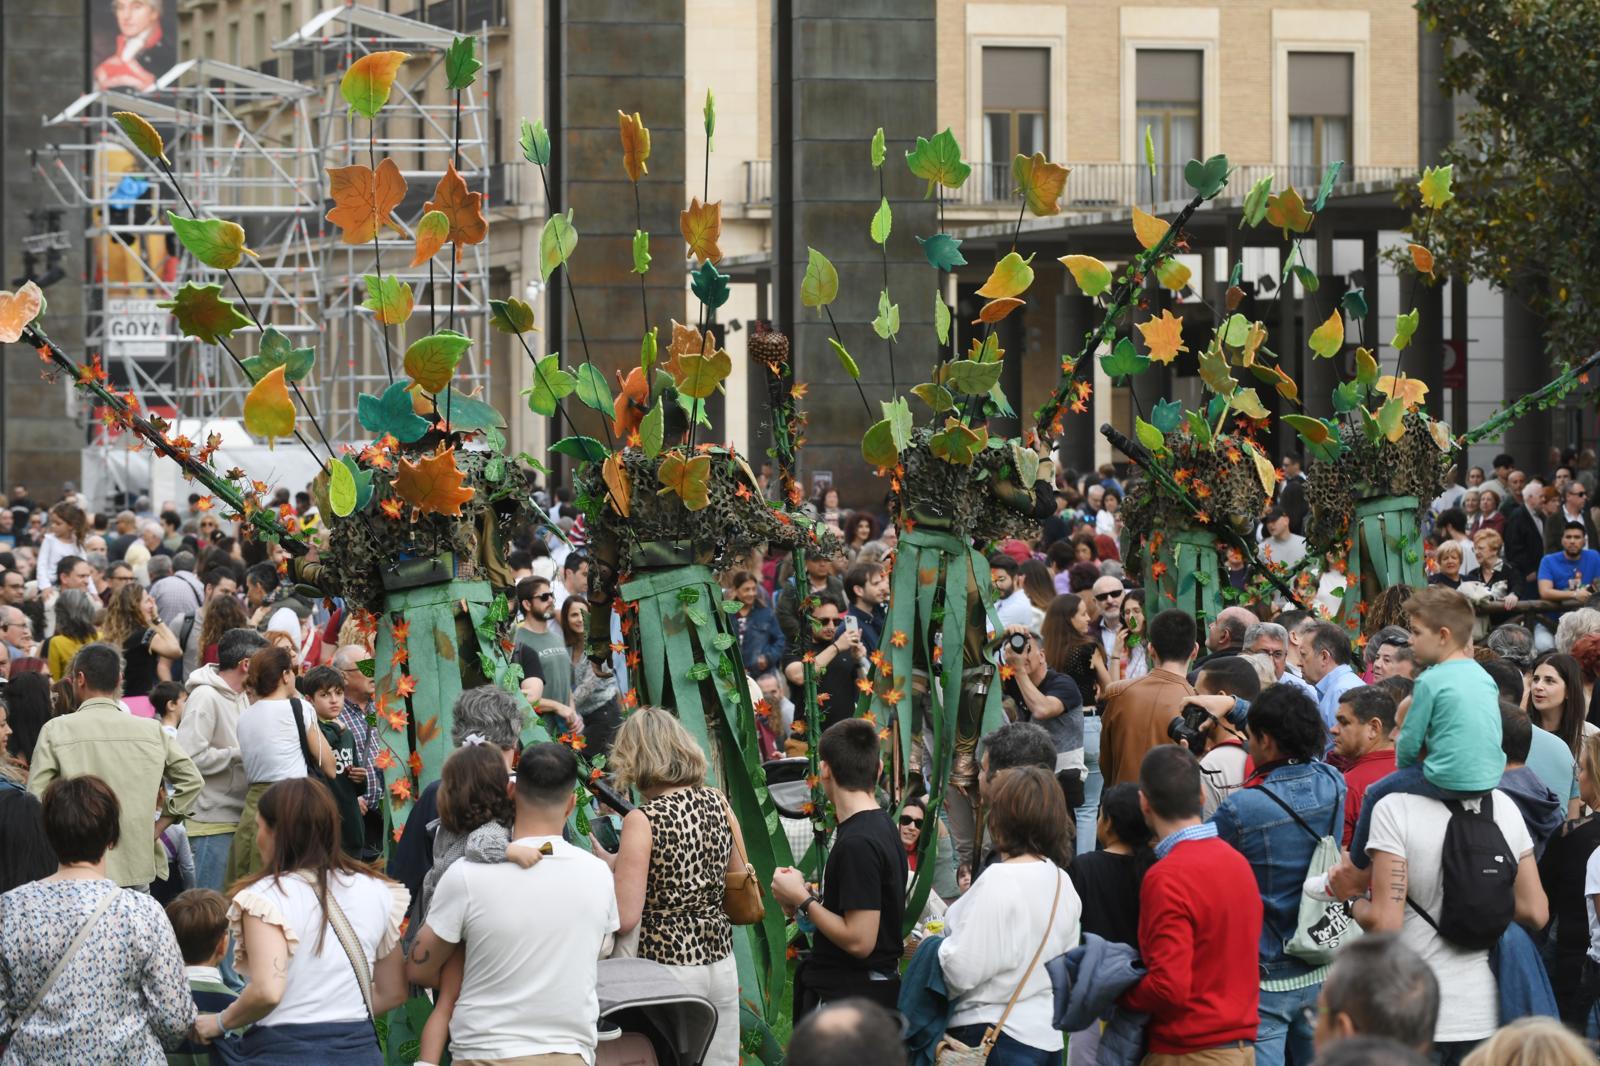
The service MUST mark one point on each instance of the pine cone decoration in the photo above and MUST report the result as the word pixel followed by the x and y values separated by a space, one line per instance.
pixel 770 348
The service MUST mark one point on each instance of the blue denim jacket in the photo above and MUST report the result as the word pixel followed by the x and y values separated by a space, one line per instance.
pixel 1279 849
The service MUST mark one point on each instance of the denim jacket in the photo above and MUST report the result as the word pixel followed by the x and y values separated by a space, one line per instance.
pixel 1279 848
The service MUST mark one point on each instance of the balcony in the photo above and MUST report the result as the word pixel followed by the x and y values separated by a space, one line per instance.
pixel 757 181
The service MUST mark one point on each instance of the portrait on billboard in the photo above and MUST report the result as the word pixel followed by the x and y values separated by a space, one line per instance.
pixel 132 43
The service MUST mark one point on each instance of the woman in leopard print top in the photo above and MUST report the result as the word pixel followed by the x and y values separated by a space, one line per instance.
pixel 669 867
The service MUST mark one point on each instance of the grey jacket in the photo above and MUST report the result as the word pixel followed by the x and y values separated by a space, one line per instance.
pixel 209 733
pixel 1087 980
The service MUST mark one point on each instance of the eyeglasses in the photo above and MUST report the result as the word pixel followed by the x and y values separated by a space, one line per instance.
pixel 906 819
pixel 544 596
pixel 1101 596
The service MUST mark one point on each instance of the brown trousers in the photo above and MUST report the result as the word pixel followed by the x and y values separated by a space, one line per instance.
pixel 1231 1055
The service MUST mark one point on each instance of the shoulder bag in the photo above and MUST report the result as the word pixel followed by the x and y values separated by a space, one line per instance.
pixel 741 889
pixel 313 768
pixel 353 951
pixel 65 957
pixel 1323 927
pixel 952 1052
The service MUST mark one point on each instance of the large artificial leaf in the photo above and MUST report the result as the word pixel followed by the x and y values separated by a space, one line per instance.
pixel 392 414
pixel 535 142
pixel 1149 436
pixel 877 446
pixel 143 135
pixel 357 480
pixel 688 479
pixel 431 361
pixel 1274 376
pixel 1348 396
pixel 1408 391
pixel 203 313
pixel 1172 275
pixel 469 414
pixel 592 390
pixel 820 285
pixel 1041 183
pixel 619 486
pixel 1366 368
pixel 972 378
pixel 216 242
pixel 938 162
pixel 268 411
pixel 845 360
pixel 1011 276
pixel 887 324
pixel 1264 471
pixel 897 412
pixel 1354 303
pixel 1321 437
pixel 1166 415
pixel 1421 258
pixel 550 384
pixel 877 150
pixel 462 207
pixel 276 350
pixel 461 63
pixel 1092 276
pixel 942 251
pixel 341 490
pixel 1435 186
pixel 935 396
pixel 510 315
pixel 882 222
pixel 1247 403
pixel 433 232
pixel 365 86
pixel 1288 212
pixel 710 285
pixel 17 310
pixel 1405 326
pixel 433 485
pixel 1255 202
pixel 701 226
pixel 652 430
pixel 388 298
pixel 1391 419
pixel 641 252
pixel 635 145
pixel 581 448
pixel 1214 372
pixel 957 443
pixel 556 242
pixel 997 309
pixel 1124 360
pixel 1164 337
pixel 1148 228
pixel 1207 178
pixel 1330 174
pixel 941 318
pixel 364 200
pixel 703 373
pixel 1328 338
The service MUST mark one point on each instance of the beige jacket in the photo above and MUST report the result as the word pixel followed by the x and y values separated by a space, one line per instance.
pixel 209 733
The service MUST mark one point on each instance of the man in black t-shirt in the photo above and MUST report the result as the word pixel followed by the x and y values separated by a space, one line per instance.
pixel 1052 700
pixel 838 656
pixel 856 943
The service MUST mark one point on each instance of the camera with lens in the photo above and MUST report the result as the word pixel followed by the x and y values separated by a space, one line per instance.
pixel 1017 642
pixel 1186 728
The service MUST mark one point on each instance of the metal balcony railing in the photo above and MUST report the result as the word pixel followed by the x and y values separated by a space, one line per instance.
pixel 758 181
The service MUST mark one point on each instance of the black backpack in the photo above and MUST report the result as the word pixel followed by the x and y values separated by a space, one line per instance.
pixel 1479 874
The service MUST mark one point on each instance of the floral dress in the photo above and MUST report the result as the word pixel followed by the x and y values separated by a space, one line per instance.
pixel 120 999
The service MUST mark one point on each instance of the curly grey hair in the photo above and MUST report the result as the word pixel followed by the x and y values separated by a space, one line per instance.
pixel 1513 643
pixel 490 712
pixel 1579 623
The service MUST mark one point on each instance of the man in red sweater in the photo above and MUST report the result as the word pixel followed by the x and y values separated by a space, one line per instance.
pixel 1199 927
pixel 1363 733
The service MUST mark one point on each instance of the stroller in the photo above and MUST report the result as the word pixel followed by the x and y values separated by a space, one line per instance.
pixel 662 1024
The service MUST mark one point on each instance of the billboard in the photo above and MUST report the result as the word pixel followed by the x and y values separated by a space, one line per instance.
pixel 131 43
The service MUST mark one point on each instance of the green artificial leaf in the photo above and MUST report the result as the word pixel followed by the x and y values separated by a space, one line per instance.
pixel 693 409
pixel 1288 264
pixel 882 222
pixel 1010 277
pixel 468 413
pixel 1307 278
pixel 943 251
pixel 461 64
pixel 535 142
pixel 820 285
pixel 1369 426
pixel 431 361
pixel 1236 275
pixel 556 243
pixel 877 446
pixel 1091 275
pixel 710 286
pixel 897 412
pixel 938 161
pixel 1247 403
pixel 584 449
pixel 1235 331
pixel 276 350
pixel 1255 203
pixel 341 490
pixel 216 242
pixel 362 480
pixel 1199 428
pixel 647 352
pixel 1354 303
pixel 1366 368
pixel 1149 152
pixel 1330 174
pixel 701 375
pixel 1214 373
pixel 957 443
pixel 1166 415
pixel 388 298
pixel 1149 436
pixel 845 361
pixel 550 384
pixel 1124 360
pixel 887 324
pixel 989 350
pixel 877 149
pixel 391 413
pixel 1208 178
pixel 1348 396
pixel 1391 417
pixel 641 251
pixel 1321 437
pixel 709 113
pixel 935 396
pixel 941 318
pixel 1217 405
pixel 142 134
pixel 592 389
pixel 652 430
pixel 971 377
pixel 204 314
pixel 1328 338
pixel 1405 326
pixel 1435 186
pixel 510 315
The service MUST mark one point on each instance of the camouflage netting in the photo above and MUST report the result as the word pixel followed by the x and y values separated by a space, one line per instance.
pixel 958 499
pixel 1415 465
pixel 1221 480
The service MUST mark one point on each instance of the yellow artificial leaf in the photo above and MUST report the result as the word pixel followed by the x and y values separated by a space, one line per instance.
pixel 1288 212
pixel 268 411
pixel 1264 471
pixel 1172 274
pixel 433 485
pixel 1421 258
pixel 995 310
pixel 1010 277
pixel 688 479
pixel 1252 343
pixel 1093 276
pixel 1435 186
pixel 1441 435
pixel 1247 403
pixel 618 483
pixel 364 200
pixel 1148 228
pixel 464 209
pixel 635 144
pixel 1041 182
pixel 1164 337
pixel 1409 391
pixel 142 134
pixel 433 231
pixel 1328 338
pixel 1214 371
pixel 702 374
pixel 701 225
pixel 366 85
pixel 686 340
pixel 17 310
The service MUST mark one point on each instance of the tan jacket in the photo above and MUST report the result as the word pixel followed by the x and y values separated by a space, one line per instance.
pixel 133 756
pixel 1134 717
pixel 209 733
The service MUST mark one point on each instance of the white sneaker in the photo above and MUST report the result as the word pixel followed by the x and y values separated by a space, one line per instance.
pixel 1316 887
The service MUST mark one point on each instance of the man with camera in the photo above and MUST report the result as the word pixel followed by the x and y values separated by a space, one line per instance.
pixel 1050 699
pixel 1212 726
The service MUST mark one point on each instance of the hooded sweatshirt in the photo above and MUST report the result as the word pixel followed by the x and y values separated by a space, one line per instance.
pixel 1542 811
pixel 209 732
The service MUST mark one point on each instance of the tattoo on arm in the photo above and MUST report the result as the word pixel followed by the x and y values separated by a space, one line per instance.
pixel 1397 881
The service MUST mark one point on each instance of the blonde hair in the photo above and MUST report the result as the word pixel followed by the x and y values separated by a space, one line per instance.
pixel 1589 756
pixel 1487 535
pixel 1264 668
pixel 1449 547
pixel 1531 1042
pixel 653 750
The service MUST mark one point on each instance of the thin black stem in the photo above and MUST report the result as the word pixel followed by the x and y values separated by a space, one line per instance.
pixel 1016 231
pixel 433 301
pixel 538 372
pixel 455 249
pixel 377 253
pixel 638 225
pixel 864 404
pixel 572 295
pixel 883 197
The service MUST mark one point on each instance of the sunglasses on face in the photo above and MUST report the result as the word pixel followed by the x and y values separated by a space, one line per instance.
pixel 544 596
pixel 1102 596
pixel 906 819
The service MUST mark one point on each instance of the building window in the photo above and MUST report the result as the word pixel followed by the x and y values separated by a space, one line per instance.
pixel 1016 106
pixel 258 25
pixel 286 26
pixel 492 91
pixel 1170 105
pixel 233 43
pixel 1321 101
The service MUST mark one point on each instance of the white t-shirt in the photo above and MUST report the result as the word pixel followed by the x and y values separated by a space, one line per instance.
pixel 1016 610
pixel 991 934
pixel 532 940
pixel 269 741
pixel 1221 775
pixel 322 984
pixel 1591 888
pixel 1413 827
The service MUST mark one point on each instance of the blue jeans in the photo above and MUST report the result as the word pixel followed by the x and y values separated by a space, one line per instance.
pixel 1007 1051
pixel 211 860
pixel 1285 1032
pixel 1093 782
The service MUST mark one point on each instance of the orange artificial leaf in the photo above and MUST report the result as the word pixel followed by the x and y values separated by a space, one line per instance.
pixel 433 485
pixel 406 686
pixel 1421 258
pixel 1041 182
pixel 364 201
pixel 1409 391
pixel 384 760
pixel 995 310
pixel 1164 337
pixel 17 310
pixel 635 145
pixel 702 226
pixel 400 789
pixel 1148 228
pixel 268 411
pixel 414 763
pixel 686 340
pixel 616 479
pixel 632 402
pixel 428 730
pixel 689 479
pixel 1287 211
pixel 366 85
pixel 462 208
pixel 433 230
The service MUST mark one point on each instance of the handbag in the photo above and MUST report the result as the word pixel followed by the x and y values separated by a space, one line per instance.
pixel 1322 927
pixel 952 1052
pixel 313 768
pixel 741 889
pixel 65 957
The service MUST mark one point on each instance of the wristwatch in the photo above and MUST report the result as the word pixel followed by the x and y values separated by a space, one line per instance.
pixel 805 907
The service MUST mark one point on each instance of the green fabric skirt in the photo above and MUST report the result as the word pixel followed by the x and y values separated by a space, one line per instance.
pixel 245 858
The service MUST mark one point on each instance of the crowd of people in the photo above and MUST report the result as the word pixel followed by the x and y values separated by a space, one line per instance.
pixel 1253 840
